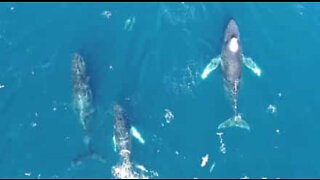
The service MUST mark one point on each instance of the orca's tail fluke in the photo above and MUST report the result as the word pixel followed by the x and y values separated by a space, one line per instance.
pixel 235 121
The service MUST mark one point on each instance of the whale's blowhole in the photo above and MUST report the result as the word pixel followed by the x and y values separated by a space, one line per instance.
pixel 234 45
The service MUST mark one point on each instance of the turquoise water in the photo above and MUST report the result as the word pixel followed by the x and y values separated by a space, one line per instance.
pixel 149 57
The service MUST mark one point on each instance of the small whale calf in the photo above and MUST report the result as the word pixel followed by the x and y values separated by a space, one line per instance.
pixel 122 144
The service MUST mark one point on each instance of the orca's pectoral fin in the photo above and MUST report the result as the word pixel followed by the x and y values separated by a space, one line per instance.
pixel 249 63
pixel 214 63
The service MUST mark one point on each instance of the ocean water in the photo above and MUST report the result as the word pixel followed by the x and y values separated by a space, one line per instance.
pixel 149 57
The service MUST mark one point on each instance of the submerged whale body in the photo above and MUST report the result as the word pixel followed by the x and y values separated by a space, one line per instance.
pixel 82 93
pixel 82 102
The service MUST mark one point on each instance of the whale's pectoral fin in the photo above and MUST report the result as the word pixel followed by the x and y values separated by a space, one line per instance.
pixel 249 63
pixel 235 121
pixel 136 134
pixel 114 142
pixel 214 63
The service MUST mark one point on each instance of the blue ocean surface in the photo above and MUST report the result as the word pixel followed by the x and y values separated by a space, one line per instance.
pixel 149 58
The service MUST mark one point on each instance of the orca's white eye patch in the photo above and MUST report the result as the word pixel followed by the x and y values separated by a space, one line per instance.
pixel 233 45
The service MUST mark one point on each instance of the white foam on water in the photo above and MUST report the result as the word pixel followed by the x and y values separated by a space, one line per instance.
pixel 204 160
pixel 168 115
pixel 106 14
pixel 272 108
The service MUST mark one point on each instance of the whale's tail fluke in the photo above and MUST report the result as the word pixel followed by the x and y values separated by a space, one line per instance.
pixel 89 154
pixel 235 121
